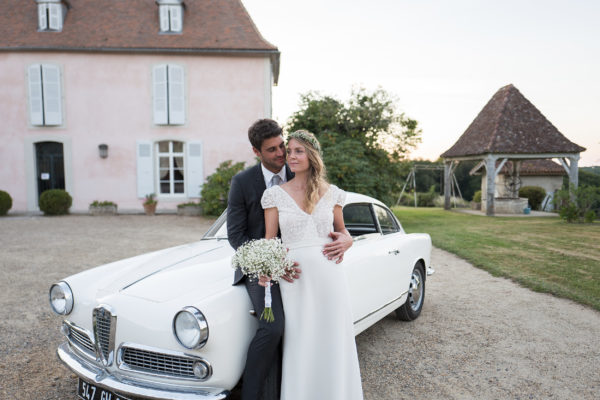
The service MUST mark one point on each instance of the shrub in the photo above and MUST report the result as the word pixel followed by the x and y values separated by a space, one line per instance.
pixel 55 202
pixel 188 204
pixel 535 195
pixel 477 196
pixel 5 202
pixel 577 205
pixel 423 199
pixel 460 203
pixel 215 191
pixel 97 203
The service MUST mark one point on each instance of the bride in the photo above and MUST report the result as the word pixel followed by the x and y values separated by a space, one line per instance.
pixel 319 351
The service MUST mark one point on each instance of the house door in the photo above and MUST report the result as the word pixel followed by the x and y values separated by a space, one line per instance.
pixel 50 166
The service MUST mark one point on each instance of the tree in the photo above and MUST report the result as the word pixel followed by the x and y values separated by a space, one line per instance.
pixel 364 141
pixel 215 191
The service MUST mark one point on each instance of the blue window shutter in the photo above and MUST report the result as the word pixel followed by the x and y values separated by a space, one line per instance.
pixel 195 175
pixel 145 168
pixel 160 101
pixel 36 108
pixel 176 95
pixel 51 83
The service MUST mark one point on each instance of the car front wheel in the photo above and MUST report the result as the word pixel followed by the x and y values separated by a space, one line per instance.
pixel 411 309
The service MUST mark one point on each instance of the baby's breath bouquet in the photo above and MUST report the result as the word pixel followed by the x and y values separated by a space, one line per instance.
pixel 260 257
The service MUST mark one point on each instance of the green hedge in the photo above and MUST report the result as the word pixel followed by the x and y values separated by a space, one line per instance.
pixel 55 202
pixel 534 194
pixel 216 189
pixel 5 202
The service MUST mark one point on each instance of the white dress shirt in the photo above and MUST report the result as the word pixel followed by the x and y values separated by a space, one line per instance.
pixel 268 175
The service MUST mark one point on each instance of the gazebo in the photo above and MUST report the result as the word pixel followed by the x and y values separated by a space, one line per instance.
pixel 509 127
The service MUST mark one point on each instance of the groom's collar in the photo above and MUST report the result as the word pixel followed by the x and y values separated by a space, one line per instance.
pixel 268 175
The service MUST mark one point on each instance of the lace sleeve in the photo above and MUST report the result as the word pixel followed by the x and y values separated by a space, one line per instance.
pixel 268 198
pixel 339 196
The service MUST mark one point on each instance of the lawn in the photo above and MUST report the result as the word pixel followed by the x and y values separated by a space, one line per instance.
pixel 544 253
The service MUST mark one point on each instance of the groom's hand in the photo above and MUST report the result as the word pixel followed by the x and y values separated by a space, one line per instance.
pixel 293 273
pixel 335 250
pixel 264 281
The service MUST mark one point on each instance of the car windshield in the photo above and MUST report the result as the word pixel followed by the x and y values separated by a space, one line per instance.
pixel 357 218
pixel 218 230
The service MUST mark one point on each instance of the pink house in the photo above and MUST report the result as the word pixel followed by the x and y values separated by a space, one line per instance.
pixel 113 100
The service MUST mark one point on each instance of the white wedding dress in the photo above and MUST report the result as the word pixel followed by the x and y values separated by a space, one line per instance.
pixel 319 351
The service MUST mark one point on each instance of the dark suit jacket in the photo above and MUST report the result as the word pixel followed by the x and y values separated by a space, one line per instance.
pixel 245 215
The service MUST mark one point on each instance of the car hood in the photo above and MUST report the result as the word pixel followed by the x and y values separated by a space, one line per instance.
pixel 203 267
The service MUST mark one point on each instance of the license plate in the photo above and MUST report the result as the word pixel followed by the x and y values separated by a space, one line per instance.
pixel 89 391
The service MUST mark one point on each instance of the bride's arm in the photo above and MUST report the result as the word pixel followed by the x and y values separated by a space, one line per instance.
pixel 271 222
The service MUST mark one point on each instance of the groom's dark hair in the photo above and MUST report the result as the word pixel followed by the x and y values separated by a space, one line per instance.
pixel 261 130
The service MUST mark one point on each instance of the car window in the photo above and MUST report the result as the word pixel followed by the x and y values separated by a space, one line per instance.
pixel 218 230
pixel 386 220
pixel 358 219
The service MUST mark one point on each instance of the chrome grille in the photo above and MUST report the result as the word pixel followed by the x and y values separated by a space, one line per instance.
pixel 158 363
pixel 82 340
pixel 102 332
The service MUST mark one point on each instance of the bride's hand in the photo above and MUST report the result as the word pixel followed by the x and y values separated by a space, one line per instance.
pixel 293 273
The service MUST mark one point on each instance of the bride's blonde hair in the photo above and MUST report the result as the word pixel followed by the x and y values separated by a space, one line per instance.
pixel 316 168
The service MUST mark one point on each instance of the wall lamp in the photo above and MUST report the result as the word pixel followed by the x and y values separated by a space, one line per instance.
pixel 103 150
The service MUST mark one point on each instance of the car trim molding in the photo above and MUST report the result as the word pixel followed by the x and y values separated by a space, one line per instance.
pixel 380 308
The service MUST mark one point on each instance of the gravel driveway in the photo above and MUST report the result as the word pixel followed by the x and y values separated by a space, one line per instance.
pixel 478 336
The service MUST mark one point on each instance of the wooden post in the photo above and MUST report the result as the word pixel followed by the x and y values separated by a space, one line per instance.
pixel 490 168
pixel 447 183
pixel 574 170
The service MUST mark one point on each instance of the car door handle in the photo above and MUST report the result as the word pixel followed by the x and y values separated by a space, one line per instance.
pixel 394 252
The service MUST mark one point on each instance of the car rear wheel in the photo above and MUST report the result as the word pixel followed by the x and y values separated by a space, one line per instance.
pixel 411 309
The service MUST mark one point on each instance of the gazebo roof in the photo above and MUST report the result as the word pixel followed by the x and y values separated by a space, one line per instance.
pixel 510 124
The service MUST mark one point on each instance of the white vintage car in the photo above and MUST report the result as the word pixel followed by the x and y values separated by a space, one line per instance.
pixel 170 325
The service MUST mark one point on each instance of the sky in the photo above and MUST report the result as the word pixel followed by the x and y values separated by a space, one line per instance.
pixel 442 60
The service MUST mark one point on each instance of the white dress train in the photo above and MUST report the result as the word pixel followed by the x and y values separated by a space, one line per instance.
pixel 319 350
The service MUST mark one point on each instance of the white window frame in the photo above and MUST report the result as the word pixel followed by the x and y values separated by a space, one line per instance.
pixel 171 156
pixel 50 16
pixel 42 87
pixel 170 18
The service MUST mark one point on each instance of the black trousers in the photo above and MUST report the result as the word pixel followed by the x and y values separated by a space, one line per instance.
pixel 264 349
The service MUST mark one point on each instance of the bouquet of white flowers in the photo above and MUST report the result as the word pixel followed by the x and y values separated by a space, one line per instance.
pixel 266 257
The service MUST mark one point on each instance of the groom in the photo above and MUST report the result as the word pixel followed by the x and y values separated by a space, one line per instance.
pixel 245 221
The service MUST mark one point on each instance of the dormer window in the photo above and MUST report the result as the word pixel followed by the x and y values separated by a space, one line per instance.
pixel 51 14
pixel 170 15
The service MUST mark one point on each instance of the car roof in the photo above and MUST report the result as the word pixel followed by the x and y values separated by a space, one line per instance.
pixel 352 197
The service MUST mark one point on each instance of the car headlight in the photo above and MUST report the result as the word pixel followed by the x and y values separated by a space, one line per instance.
pixel 190 328
pixel 61 298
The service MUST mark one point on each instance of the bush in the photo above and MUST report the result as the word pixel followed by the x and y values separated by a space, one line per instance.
pixel 188 204
pixel 535 195
pixel 5 202
pixel 215 191
pixel 477 196
pixel 578 205
pixel 55 202
pixel 97 203
pixel 423 199
pixel 460 203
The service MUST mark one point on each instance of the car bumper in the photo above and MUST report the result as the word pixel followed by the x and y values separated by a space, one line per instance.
pixel 127 387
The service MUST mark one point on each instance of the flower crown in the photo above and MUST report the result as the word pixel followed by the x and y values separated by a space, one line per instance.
pixel 306 137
